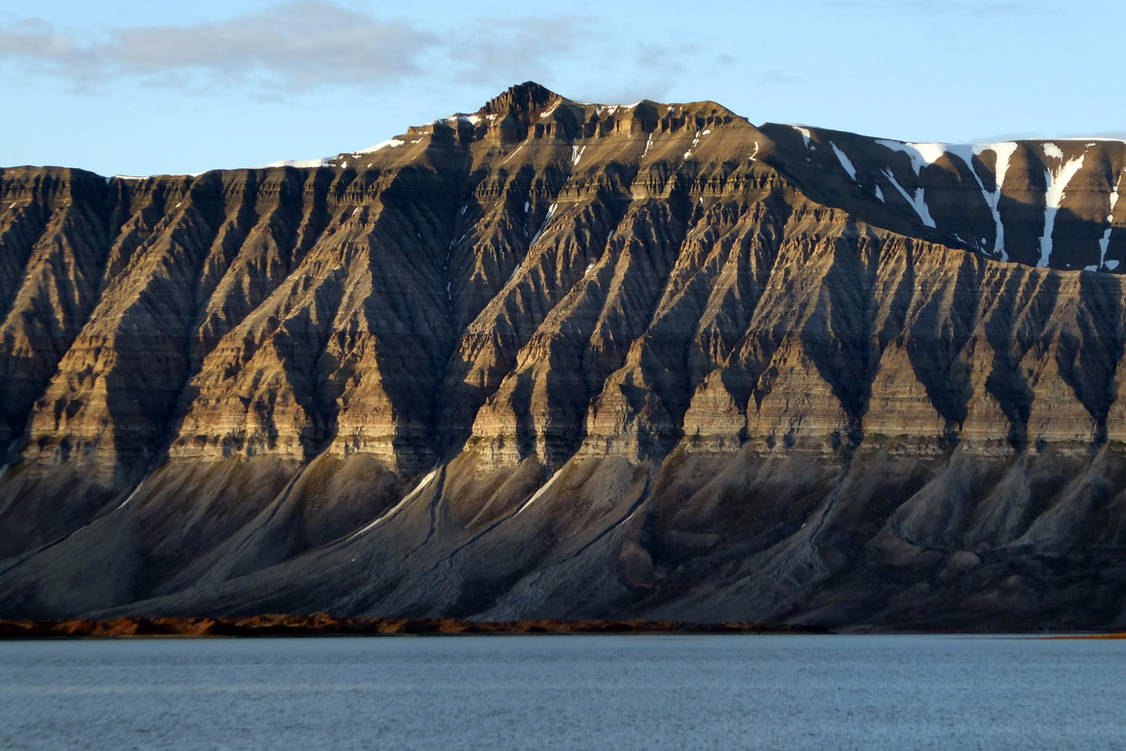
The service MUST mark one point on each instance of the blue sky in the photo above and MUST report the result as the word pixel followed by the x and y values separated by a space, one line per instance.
pixel 168 87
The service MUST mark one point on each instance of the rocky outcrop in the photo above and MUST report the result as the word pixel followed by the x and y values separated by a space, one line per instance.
pixel 559 360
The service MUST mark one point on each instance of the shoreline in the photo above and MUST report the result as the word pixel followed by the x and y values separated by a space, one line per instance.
pixel 276 625
pixel 282 625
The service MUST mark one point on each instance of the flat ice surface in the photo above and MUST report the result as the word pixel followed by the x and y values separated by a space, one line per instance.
pixel 567 692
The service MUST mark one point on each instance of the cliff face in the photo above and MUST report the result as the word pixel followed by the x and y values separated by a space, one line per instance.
pixel 563 360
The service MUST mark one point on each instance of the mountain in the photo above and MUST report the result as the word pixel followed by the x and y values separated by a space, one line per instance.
pixel 563 360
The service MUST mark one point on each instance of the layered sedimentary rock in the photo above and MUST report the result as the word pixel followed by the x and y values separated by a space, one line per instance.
pixel 559 360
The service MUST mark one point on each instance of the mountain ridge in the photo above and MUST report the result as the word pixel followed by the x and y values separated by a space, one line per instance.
pixel 581 361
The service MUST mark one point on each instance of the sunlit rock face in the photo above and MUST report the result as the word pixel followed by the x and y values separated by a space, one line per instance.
pixel 554 359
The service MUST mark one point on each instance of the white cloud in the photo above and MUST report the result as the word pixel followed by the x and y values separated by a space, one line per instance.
pixel 291 47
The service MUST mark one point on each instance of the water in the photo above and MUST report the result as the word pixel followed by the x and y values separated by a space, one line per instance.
pixel 565 692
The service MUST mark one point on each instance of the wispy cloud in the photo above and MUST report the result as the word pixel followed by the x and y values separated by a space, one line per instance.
pixel 292 47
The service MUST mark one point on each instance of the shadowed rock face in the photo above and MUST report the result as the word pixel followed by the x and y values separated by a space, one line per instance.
pixel 559 360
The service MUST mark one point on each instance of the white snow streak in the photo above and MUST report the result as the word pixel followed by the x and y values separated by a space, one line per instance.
pixel 576 154
pixel 695 143
pixel 844 160
pixel 1104 241
pixel 1004 153
pixel 916 199
pixel 648 145
pixel 396 508
pixel 546 219
pixel 514 152
pixel 924 154
pixel 806 134
pixel 921 155
pixel 536 496
pixel 1057 184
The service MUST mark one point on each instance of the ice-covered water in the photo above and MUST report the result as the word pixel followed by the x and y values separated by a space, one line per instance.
pixel 580 692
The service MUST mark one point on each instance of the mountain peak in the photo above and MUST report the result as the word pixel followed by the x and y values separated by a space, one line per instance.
pixel 521 99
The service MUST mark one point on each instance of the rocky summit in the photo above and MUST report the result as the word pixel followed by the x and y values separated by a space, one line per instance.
pixel 556 360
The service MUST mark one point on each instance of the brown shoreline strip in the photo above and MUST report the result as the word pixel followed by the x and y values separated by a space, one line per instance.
pixel 326 625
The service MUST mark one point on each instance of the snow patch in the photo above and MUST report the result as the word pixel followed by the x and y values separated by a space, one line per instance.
pixel 576 154
pixel 806 134
pixel 844 160
pixel 921 154
pixel 1052 150
pixel 648 145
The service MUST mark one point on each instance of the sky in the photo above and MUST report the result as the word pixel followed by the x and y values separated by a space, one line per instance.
pixel 136 88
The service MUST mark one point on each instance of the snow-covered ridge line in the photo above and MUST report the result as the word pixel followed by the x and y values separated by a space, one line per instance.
pixel 390 143
pixel 303 164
